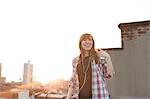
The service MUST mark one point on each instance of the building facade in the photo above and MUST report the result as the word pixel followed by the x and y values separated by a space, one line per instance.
pixel 2 79
pixel 28 73
pixel 0 70
pixel 132 62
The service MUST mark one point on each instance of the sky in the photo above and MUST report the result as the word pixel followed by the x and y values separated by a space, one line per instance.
pixel 47 32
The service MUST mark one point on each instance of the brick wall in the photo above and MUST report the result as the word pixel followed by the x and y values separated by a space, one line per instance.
pixel 132 61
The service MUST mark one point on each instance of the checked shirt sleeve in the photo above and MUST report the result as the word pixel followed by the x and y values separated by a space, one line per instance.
pixel 108 66
pixel 74 78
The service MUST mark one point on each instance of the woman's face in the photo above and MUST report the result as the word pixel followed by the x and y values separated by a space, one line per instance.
pixel 87 44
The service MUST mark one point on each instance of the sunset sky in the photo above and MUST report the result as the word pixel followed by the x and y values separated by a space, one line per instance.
pixel 46 32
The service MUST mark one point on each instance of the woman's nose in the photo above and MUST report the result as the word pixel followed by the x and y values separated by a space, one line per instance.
pixel 87 40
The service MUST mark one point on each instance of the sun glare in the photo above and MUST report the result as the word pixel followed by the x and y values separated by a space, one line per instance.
pixel 53 75
pixel 50 40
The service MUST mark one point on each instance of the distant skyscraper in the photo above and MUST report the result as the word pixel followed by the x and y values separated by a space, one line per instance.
pixel 27 75
pixel 0 69
pixel 2 79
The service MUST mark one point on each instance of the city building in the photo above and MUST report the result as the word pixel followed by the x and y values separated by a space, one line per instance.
pixel 0 69
pixel 132 62
pixel 28 73
pixel 15 94
pixel 2 79
pixel 20 94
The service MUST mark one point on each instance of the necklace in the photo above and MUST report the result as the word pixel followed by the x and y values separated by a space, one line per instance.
pixel 84 72
pixel 85 68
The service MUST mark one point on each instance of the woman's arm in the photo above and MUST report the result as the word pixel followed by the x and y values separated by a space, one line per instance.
pixel 110 69
pixel 70 92
pixel 73 81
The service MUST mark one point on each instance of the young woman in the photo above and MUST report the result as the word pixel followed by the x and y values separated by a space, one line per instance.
pixel 90 70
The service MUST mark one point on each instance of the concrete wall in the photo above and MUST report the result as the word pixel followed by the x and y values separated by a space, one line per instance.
pixel 132 62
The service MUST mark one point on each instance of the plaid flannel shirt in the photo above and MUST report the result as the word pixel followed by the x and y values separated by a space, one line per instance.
pixel 99 85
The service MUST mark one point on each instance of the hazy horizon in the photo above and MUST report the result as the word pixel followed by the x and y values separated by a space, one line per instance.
pixel 47 32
